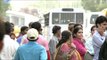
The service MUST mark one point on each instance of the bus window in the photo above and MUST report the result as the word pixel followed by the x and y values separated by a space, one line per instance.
pixel 62 18
pixel 93 18
pixel 55 18
pixel 46 16
pixel 15 20
pixel 79 18
pixel 66 18
pixel 21 23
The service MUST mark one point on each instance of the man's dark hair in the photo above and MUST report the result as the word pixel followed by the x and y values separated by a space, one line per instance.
pixel 8 27
pixel 2 29
pixel 55 29
pixel 100 20
pixel 76 25
pixel 36 25
pixel 71 23
pixel 12 24
pixel 23 28
pixel 71 26
pixel 30 24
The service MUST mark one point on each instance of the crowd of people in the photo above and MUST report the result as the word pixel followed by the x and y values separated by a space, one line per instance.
pixel 69 44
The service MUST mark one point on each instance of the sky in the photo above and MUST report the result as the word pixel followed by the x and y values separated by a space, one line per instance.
pixel 16 5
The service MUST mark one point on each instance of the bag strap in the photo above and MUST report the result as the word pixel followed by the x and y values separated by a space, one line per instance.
pixel 70 53
pixel 56 52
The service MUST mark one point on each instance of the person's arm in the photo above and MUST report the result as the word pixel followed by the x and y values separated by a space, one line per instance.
pixel 52 45
pixel 97 41
pixel 43 55
pixel 82 50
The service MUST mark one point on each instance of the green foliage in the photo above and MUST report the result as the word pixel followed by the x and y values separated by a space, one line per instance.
pixel 3 7
pixel 47 5
pixel 94 5
pixel 102 6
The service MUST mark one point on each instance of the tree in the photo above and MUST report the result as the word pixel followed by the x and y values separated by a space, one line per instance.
pixel 3 7
pixel 94 5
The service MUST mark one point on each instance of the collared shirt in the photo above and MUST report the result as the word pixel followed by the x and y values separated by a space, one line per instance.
pixel 52 44
pixel 31 51
pixel 89 45
pixel 9 49
pixel 98 40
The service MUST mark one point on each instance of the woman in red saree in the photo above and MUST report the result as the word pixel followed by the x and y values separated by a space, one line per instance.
pixel 66 50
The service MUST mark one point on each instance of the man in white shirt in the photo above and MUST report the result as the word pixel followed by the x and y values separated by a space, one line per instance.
pixel 54 40
pixel 10 46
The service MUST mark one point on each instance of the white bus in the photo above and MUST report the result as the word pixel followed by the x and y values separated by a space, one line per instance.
pixel 20 18
pixel 62 17
pixel 91 17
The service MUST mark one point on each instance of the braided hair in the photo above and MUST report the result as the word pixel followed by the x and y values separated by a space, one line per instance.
pixel 65 37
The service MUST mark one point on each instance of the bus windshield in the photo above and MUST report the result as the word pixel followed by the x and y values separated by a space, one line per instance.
pixel 65 18
pixel 93 18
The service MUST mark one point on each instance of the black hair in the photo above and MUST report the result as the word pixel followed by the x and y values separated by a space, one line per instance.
pixel 100 20
pixel 55 29
pixel 23 28
pixel 8 27
pixel 12 34
pixel 2 29
pixel 71 23
pixel 75 31
pixel 70 28
pixel 12 24
pixel 36 25
pixel 65 37
pixel 30 24
pixel 93 27
pixel 76 25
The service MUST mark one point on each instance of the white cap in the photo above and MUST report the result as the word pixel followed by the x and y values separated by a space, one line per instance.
pixel 32 34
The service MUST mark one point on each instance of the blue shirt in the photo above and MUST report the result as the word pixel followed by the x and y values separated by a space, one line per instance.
pixel 31 51
pixel 19 39
pixel 98 40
